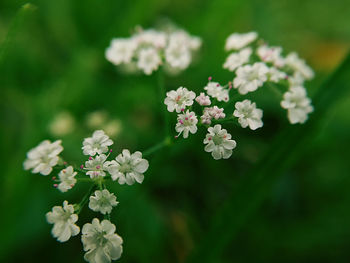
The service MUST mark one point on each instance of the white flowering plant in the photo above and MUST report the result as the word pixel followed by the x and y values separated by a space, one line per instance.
pixel 99 239
pixel 254 65
pixel 147 50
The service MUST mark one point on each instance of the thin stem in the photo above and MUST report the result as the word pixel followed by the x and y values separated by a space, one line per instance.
pixel 157 147
pixel 85 199
pixel 162 95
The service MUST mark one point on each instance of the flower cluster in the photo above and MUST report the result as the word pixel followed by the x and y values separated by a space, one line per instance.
pixel 255 64
pixel 99 239
pixel 147 50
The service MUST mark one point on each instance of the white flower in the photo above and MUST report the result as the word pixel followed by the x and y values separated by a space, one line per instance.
pixel 299 65
pixel 296 80
pixel 96 166
pixel 101 242
pixel 237 41
pixel 215 90
pixel 203 100
pixel 186 123
pixel 128 168
pixel 298 104
pixel 148 60
pixel 250 77
pixel 183 38
pixel 67 179
pixel 98 143
pixel 151 37
pixel 235 60
pixel 43 157
pixel 103 201
pixel 248 114
pixel 179 99
pixel 219 142
pixel 121 50
pixel 212 112
pixel 276 75
pixel 63 219
pixel 62 124
pixel 177 56
pixel 271 54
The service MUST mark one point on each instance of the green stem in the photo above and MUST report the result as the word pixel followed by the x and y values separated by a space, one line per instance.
pixel 157 147
pixel 85 199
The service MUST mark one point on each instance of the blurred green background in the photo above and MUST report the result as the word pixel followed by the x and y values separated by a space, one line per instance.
pixel 190 207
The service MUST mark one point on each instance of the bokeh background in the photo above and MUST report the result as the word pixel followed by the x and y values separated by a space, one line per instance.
pixel 190 208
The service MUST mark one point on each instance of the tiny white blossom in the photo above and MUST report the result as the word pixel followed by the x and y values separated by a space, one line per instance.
pixel 128 168
pixel 148 60
pixel 296 80
pixel 179 99
pixel 183 38
pixel 298 104
pixel 235 60
pixel 96 144
pixel 276 75
pixel 64 220
pixel 248 114
pixel 250 77
pixel 212 112
pixel 177 56
pixel 121 50
pixel 203 99
pixel 67 179
pixel 186 123
pixel 96 166
pixel 271 54
pixel 237 41
pixel 102 201
pixel 215 90
pixel 219 142
pixel 101 243
pixel 43 157
pixel 299 65
pixel 151 37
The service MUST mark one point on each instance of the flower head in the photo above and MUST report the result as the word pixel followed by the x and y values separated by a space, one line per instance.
pixel 272 55
pixel 212 112
pixel 250 77
pixel 43 157
pixel 235 60
pixel 67 179
pixel 101 242
pixel 148 60
pixel 96 166
pixel 203 99
pixel 237 41
pixel 102 201
pixel 97 144
pixel 121 50
pixel 64 220
pixel 215 90
pixel 276 75
pixel 219 142
pixel 298 104
pixel 128 168
pixel 179 99
pixel 248 114
pixel 293 61
pixel 186 123
pixel 178 56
